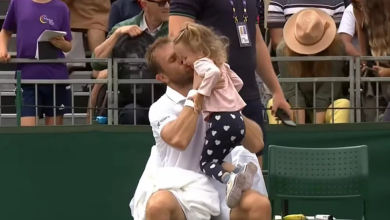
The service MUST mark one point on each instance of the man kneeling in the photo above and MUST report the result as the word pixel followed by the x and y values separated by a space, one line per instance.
pixel 179 133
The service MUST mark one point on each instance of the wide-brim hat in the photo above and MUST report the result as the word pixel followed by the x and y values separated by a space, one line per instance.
pixel 309 31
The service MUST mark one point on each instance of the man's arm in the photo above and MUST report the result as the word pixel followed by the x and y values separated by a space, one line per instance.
pixel 182 12
pixel 104 50
pixel 177 23
pixel 264 66
pixel 176 131
pixel 179 133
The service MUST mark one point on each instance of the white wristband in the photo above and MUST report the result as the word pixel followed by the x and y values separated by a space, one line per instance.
pixel 189 103
pixel 192 93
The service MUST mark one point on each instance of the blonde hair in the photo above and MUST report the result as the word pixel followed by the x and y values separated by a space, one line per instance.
pixel 314 68
pixel 377 17
pixel 199 38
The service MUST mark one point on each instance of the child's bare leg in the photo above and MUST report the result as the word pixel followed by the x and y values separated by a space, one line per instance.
pixel 228 167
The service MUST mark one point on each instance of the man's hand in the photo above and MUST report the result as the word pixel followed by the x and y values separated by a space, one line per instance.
pixel 198 103
pixel 4 56
pixel 132 30
pixel 280 102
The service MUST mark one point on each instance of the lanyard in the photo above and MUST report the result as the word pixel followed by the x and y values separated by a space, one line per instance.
pixel 245 16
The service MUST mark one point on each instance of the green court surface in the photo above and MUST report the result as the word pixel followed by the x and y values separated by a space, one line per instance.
pixel 90 172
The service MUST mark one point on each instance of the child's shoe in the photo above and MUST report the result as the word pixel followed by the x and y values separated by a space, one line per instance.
pixel 249 170
pixel 234 188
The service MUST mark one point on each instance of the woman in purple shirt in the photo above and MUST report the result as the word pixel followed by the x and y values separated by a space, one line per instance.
pixel 30 18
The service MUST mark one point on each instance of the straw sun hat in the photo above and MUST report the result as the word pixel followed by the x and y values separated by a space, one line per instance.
pixel 309 31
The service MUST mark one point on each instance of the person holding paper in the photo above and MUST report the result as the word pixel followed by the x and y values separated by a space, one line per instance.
pixel 31 18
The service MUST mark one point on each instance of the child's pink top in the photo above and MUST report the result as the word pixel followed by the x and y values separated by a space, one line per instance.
pixel 225 99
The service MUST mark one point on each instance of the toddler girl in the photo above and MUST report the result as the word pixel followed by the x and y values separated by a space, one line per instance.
pixel 204 51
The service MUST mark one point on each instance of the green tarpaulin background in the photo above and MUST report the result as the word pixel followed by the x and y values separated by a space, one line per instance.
pixel 90 172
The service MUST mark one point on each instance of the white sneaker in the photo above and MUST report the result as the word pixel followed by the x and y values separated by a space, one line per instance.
pixel 234 189
pixel 249 170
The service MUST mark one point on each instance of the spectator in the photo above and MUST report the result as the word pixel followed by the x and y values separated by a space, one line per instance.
pixel 247 52
pixel 347 31
pixel 312 32
pixel 153 19
pixel 30 19
pixel 122 10
pixel 279 11
pixel 373 37
pixel 90 15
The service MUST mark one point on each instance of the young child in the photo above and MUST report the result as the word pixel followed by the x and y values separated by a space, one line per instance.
pixel 206 53
pixel 29 19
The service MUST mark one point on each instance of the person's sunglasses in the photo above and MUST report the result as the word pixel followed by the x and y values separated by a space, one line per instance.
pixel 160 3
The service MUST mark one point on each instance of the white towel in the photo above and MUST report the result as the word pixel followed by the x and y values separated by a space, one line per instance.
pixel 194 191
pixel 242 156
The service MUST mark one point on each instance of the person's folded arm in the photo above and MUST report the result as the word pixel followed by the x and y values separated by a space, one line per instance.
pixel 211 75
pixel 176 131
pixel 253 140
pixel 104 50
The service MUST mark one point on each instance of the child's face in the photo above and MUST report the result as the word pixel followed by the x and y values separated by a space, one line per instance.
pixel 187 56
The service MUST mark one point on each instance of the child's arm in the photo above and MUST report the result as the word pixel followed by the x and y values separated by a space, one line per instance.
pixel 211 73
pixel 9 27
pixel 5 36
pixel 236 80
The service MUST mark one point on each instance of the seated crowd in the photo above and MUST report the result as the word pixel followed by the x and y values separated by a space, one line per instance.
pixel 356 29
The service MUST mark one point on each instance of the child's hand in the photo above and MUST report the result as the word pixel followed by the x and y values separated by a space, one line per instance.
pixel 58 42
pixel 198 103
pixel 4 56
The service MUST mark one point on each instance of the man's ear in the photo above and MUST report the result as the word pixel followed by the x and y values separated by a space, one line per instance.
pixel 162 78
pixel 143 3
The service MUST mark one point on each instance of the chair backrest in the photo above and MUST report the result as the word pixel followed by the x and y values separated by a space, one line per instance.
pixel 318 173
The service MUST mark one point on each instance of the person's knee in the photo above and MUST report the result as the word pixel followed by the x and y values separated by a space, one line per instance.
pixel 102 75
pixel 253 140
pixel 256 204
pixel 161 203
pixel 342 103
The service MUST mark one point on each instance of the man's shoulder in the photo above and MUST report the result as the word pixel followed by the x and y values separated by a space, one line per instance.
pixel 164 105
pixel 131 21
